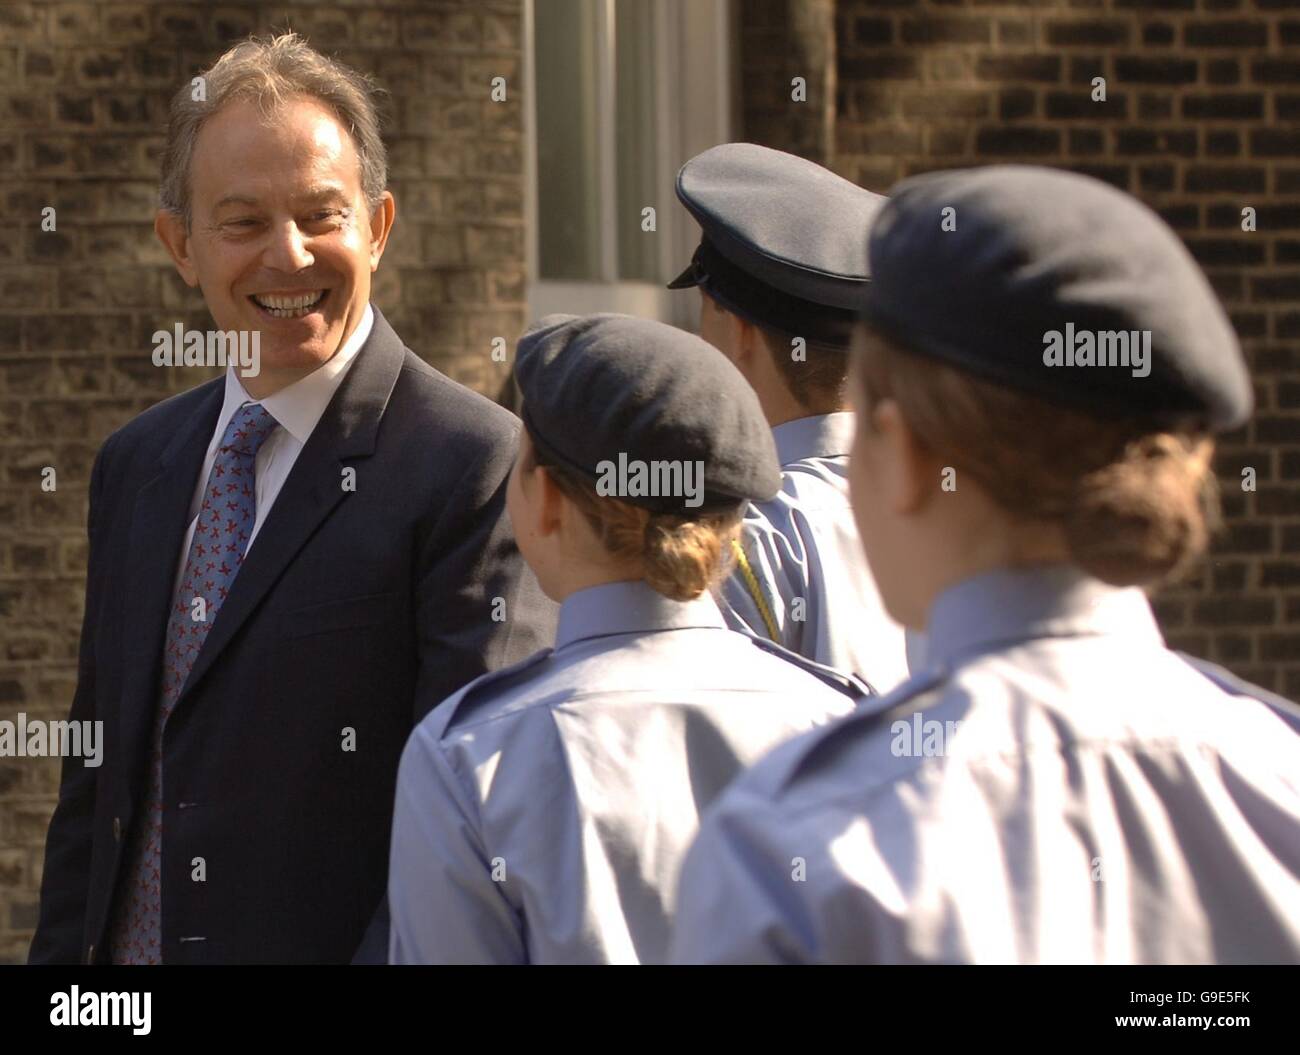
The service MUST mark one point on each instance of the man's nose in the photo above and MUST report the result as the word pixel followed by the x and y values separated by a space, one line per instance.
pixel 288 249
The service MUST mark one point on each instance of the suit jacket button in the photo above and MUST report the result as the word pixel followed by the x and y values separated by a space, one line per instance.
pixel 117 829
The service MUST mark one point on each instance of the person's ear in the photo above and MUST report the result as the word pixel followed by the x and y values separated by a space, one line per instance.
pixel 175 237
pixel 381 225
pixel 548 502
pixel 749 344
pixel 723 327
pixel 906 474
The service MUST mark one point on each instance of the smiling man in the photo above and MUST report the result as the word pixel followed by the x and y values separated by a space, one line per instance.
pixel 287 568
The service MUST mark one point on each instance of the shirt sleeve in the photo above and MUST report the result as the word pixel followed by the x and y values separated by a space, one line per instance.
pixel 445 905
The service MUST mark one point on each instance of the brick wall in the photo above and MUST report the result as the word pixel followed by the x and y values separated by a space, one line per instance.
pixel 1203 100
pixel 83 96
pixel 779 41
pixel 1200 121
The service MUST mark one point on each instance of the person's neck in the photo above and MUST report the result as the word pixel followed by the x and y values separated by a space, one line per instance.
pixel 269 382
pixel 797 412
pixel 588 579
pixel 1023 546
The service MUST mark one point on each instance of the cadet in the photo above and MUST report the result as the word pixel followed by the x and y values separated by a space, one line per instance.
pixel 1059 786
pixel 780 267
pixel 543 811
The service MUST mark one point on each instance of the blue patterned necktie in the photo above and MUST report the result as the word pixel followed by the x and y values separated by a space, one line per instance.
pixel 221 534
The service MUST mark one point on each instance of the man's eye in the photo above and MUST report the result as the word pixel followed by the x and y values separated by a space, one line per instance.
pixel 323 216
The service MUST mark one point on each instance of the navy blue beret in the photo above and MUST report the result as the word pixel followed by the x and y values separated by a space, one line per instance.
pixel 783 239
pixel 1058 285
pixel 614 397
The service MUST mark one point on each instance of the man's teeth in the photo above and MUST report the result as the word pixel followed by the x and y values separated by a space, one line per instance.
pixel 288 307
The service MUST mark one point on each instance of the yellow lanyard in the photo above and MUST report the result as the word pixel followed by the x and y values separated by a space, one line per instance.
pixel 755 590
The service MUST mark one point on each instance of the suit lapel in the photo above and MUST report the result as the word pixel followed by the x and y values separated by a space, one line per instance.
pixel 313 489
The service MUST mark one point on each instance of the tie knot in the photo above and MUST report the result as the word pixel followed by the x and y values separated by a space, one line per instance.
pixel 248 429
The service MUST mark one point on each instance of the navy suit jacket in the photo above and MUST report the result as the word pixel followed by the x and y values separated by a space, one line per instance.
pixel 355 612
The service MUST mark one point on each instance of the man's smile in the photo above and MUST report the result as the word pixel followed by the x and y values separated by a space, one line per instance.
pixel 290 305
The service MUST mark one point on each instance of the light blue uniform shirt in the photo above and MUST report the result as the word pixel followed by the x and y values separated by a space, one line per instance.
pixel 1060 788
pixel 806 556
pixel 543 811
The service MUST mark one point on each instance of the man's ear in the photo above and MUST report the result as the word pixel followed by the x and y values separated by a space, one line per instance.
pixel 171 231
pixel 381 225
pixel 727 327
pixel 906 473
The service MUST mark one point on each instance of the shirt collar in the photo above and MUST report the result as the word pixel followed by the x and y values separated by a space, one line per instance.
pixel 819 436
pixel 298 407
pixel 1009 606
pixel 630 608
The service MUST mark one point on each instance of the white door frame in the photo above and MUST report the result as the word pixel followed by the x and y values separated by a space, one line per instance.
pixel 696 103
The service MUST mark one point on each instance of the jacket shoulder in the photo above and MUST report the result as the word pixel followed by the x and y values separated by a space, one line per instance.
pixel 453 405
pixel 164 417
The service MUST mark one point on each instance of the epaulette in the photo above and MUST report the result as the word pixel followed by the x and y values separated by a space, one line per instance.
pixel 471 694
pixel 850 684
pixel 872 713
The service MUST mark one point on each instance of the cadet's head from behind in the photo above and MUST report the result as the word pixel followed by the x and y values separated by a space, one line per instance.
pixel 780 268
pixel 1037 380
pixel 274 199
pixel 641 447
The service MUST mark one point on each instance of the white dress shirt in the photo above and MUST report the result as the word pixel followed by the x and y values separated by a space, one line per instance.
pixel 297 408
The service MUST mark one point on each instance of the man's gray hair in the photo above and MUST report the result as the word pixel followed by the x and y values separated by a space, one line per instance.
pixel 269 72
